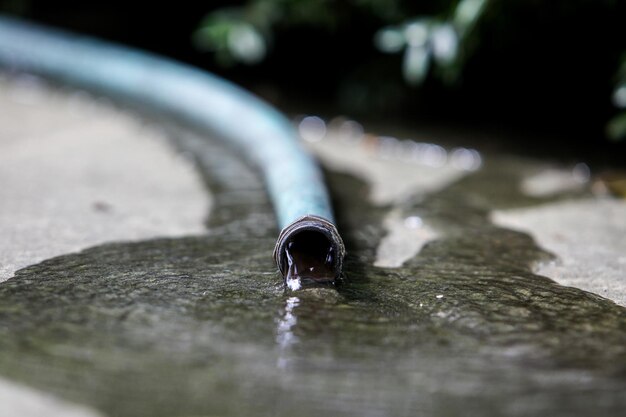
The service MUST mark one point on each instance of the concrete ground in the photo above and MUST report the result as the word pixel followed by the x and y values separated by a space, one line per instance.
pixel 586 234
pixel 588 237
pixel 75 172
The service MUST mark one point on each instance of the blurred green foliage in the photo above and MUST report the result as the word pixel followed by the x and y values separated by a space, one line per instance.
pixel 616 128
pixel 555 66
pixel 244 34
pixel 432 42
pixel 436 44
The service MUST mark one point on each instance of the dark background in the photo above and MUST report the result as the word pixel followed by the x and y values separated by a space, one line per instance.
pixel 540 72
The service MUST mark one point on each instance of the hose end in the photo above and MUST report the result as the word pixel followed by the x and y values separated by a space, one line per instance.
pixel 309 243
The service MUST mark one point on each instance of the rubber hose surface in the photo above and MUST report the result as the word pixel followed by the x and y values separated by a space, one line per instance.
pixel 293 179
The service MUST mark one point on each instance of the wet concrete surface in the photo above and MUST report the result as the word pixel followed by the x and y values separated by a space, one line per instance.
pixel 588 235
pixel 203 326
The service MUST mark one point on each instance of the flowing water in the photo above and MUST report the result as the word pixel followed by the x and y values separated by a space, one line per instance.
pixel 310 258
pixel 202 326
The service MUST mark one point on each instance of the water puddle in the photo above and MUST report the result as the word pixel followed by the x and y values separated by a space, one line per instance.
pixel 203 326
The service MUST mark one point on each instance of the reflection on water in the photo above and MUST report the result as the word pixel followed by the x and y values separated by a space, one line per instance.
pixel 284 334
pixel 203 325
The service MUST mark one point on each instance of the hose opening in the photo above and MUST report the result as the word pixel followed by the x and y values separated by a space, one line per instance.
pixel 309 251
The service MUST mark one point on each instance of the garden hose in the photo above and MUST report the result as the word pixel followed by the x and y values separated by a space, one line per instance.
pixel 215 106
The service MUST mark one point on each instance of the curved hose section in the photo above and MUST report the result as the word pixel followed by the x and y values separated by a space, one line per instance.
pixel 261 133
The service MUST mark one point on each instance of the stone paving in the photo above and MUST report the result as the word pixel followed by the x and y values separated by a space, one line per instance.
pixel 75 172
pixel 586 233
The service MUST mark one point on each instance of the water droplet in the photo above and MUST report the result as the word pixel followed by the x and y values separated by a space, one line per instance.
pixel 312 128
pixel 465 159
pixel 413 222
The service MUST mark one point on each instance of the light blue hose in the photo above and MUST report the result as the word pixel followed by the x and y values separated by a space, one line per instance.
pixel 263 134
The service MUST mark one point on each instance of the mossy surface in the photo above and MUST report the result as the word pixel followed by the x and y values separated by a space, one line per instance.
pixel 201 326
